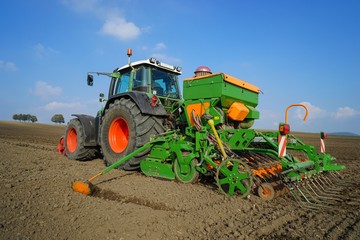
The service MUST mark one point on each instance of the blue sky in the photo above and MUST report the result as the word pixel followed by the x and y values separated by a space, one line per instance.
pixel 294 51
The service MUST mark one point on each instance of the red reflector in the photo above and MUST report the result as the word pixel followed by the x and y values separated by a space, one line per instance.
pixel 154 100
pixel 284 129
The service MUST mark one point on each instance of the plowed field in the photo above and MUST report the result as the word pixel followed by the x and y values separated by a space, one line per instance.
pixel 37 201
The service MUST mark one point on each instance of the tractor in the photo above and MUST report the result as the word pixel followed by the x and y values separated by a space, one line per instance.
pixel 142 101
pixel 146 124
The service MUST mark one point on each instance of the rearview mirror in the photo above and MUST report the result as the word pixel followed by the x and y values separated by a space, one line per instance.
pixel 90 80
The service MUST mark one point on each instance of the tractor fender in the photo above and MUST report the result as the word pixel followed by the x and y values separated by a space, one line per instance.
pixel 143 101
pixel 90 125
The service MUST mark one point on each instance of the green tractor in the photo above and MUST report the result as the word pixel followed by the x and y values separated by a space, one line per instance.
pixel 142 101
pixel 146 124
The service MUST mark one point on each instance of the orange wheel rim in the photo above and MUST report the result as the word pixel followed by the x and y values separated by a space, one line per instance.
pixel 266 192
pixel 71 140
pixel 118 135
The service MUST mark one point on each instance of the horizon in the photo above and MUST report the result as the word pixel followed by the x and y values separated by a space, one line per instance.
pixel 343 134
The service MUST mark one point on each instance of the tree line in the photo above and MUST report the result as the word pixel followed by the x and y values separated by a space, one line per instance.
pixel 57 118
pixel 25 117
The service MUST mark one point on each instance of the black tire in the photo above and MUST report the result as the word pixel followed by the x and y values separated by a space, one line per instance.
pixel 75 141
pixel 266 191
pixel 191 176
pixel 246 124
pixel 124 129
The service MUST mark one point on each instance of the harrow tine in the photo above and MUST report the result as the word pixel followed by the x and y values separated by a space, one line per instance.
pixel 299 201
pixel 336 186
pixel 307 199
pixel 328 199
pixel 338 178
pixel 333 176
pixel 324 183
pixel 336 174
pixel 322 192
pixel 321 184
pixel 319 201
pixel 309 195
pixel 327 180
pixel 328 183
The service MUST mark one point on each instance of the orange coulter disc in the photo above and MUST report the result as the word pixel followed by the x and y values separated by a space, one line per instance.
pixel 83 187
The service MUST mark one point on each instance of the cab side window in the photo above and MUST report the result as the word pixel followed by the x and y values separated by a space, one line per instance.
pixel 122 84
pixel 140 82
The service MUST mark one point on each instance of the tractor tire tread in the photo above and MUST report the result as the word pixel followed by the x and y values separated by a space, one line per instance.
pixel 145 126
pixel 82 153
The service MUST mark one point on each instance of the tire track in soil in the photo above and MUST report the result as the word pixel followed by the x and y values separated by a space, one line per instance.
pixel 26 144
pixel 276 224
pixel 340 227
pixel 112 196
pixel 352 231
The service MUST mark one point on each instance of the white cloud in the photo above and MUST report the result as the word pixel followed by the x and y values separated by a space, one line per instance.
pixel 121 29
pixel 44 90
pixel 10 66
pixel 42 52
pixel 314 111
pixel 61 106
pixel 345 112
pixel 160 46
pixel 115 23
pixel 317 112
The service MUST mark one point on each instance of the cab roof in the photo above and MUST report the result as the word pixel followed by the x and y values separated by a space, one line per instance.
pixel 153 62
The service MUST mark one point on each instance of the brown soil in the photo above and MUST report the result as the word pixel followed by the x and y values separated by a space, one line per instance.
pixel 37 201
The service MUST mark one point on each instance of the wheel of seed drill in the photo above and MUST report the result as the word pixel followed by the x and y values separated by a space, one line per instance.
pixel 281 189
pixel 233 177
pixel 277 185
pixel 266 191
pixel 188 174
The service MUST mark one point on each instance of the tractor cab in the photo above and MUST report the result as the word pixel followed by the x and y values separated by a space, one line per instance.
pixel 149 76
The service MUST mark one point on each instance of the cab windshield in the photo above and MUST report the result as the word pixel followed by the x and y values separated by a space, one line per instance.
pixel 164 83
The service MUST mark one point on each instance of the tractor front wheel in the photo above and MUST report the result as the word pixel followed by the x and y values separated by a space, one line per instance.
pixel 125 129
pixel 74 142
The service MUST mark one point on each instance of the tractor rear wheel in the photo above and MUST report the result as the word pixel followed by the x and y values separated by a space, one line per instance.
pixel 124 129
pixel 75 140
